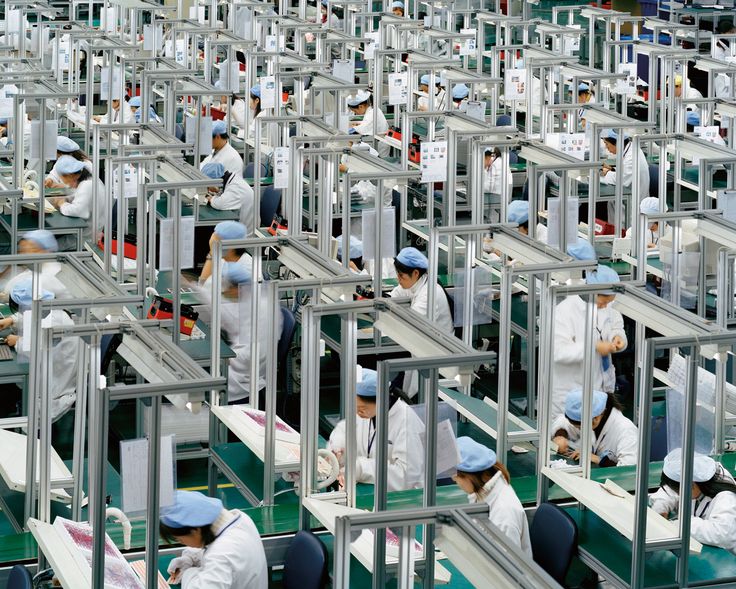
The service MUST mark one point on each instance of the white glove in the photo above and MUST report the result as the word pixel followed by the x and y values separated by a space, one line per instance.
pixel 180 563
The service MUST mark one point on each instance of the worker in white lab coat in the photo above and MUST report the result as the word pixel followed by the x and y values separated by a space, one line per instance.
pixel 66 146
pixel 226 230
pixel 714 499
pixel 650 206
pixel 256 110
pixel 611 176
pixel 609 338
pixel 518 212
pixel 615 437
pixel 331 21
pixel 135 106
pixel 223 547
pixel 460 93
pixel 397 8
pixel 39 241
pixel 722 48
pixel 585 96
pixel 361 104
pixel 120 111
pixel 222 151
pixel 63 391
pixel 439 94
pixel 485 479
pixel 493 173
pixel 232 193
pixel 687 92
pixel 233 104
pixel 358 264
pixel 82 202
pixel 405 448
pixel 411 270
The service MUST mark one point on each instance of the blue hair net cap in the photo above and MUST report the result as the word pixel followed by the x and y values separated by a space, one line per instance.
pixel 397 4
pixel 582 250
pixel 191 510
pixel 359 98
pixel 574 404
pixel 213 170
pixel 256 91
pixel 231 230
pixel 236 273
pixel 460 91
pixel 22 293
pixel 413 258
pixel 219 128
pixel 474 457
pixel 693 119
pixel 602 275
pixel 66 164
pixel 355 250
pixel 704 467
pixel 66 145
pixel 424 79
pixel 609 134
pixel 43 238
pixel 518 211
pixel 650 205
pixel 583 87
pixel 4 122
pixel 367 386
pixel 135 101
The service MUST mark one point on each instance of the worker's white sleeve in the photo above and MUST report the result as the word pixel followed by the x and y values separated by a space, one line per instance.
pixel 227 201
pixel 487 182
pixel 627 449
pixel 337 440
pixel 237 113
pixel 53 175
pixel 80 207
pixel 218 574
pixel 190 557
pixel 569 349
pixel 617 328
pixel 609 178
pixel 719 529
pixel 560 423
pixel 399 292
pixel 664 500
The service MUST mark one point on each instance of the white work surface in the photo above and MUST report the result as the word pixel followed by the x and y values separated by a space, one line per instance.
pixel 60 557
pixel 13 465
pixel 615 506
pixel 362 548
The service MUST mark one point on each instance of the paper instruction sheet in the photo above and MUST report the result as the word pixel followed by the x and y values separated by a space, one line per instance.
pixel 186 243
pixel 134 473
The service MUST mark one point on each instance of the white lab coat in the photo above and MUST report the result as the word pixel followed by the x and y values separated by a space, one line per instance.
pixel 569 350
pixel 505 512
pixel 56 177
pixel 405 448
pixel 713 518
pixel 439 101
pixel 721 51
pixel 419 294
pixel 365 127
pixel 264 129
pixel 80 206
pixel 235 560
pixel 244 259
pixel 627 176
pixel 229 157
pixel 619 435
pixel 722 86
pixel 652 236
pixel 128 116
pixel 493 177
pixel 237 113
pixel 63 365
pixel 237 195
pixel 49 280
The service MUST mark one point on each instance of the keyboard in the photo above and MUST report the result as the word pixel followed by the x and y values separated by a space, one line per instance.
pixel 5 353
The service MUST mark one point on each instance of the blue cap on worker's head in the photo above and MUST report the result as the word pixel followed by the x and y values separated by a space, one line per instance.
pixel 231 230
pixel 693 118
pixel 460 91
pixel 43 238
pixel 504 121
pixel 518 212
pixel 213 170
pixel 324 2
pixel 609 134
pixel 583 87
pixel 256 91
pixel 22 293
pixel 3 122
pixel 66 145
pixel 474 457
pixel 135 102
pixel 704 467
pixel 650 205
pixel 367 385
pixel 397 4
pixel 424 79
pixel 220 84
pixel 359 98
pixel 582 249
pixel 355 250
pixel 219 128
pixel 411 257
pixel 67 164
pixel 574 404
pixel 602 275
pixel 191 509
pixel 236 273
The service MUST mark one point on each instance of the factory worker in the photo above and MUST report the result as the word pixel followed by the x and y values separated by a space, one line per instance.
pixel 722 86
pixel 689 92
pixel 582 250
pixel 126 117
pixel 609 337
pixel 460 93
pixel 361 104
pixel 233 104
pixel 226 230
pixel 255 109
pixel 223 547
pixel 66 146
pixel 650 206
pixel 722 48
pixel 493 172
pixel 334 21
pixel 611 176
pixel 355 251
pixel 233 193
pixel 135 106
pixel 397 8
pixel 439 94
pixel 222 151
pixel 75 175
pixel 411 270
pixel 585 95
pixel 62 393
pixel 39 241
pixel 615 437
pixel 485 479
pixel 714 499
pixel 405 449
pixel 518 212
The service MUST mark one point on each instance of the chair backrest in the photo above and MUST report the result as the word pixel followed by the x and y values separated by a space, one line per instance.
pixel 653 180
pixel 554 538
pixel 288 326
pixel 270 202
pixel 658 448
pixel 250 169
pixel 305 566
pixel 19 578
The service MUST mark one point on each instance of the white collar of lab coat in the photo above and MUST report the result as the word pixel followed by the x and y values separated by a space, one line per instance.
pixel 414 289
pixel 224 521
pixel 487 488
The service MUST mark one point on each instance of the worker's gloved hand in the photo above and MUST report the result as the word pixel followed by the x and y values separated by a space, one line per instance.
pixel 181 563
